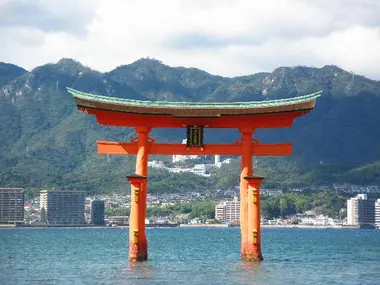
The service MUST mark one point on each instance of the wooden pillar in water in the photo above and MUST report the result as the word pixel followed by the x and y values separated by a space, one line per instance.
pixel 253 252
pixel 137 240
pixel 139 251
pixel 246 170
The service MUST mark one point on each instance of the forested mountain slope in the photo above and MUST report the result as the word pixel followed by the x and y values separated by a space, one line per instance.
pixel 47 142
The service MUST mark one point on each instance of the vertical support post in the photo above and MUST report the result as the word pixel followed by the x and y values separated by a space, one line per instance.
pixel 253 252
pixel 246 170
pixel 142 170
pixel 136 239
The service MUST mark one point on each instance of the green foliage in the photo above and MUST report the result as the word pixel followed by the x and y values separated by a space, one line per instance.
pixel 288 204
pixel 31 192
pixel 205 210
pixel 283 173
pixel 161 181
pixel 118 212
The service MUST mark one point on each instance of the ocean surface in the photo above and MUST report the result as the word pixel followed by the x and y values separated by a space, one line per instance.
pixel 189 256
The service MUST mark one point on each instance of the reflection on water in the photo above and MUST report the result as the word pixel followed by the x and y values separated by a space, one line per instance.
pixel 251 267
pixel 141 269
pixel 249 273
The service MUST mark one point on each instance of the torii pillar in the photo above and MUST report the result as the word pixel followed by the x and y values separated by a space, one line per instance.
pixel 246 170
pixel 138 245
pixel 138 249
pixel 252 250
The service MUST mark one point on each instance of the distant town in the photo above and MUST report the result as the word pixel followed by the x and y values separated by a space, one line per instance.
pixel 73 208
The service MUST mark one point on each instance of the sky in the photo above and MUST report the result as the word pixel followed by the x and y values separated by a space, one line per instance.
pixel 223 37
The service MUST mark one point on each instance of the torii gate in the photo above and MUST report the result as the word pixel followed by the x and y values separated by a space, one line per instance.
pixel 146 115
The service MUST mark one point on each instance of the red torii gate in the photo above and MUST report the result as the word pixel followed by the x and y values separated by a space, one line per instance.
pixel 146 115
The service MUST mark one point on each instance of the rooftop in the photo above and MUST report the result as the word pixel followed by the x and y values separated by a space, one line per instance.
pixel 193 109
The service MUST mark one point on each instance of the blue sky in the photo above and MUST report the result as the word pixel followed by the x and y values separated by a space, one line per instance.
pixel 223 37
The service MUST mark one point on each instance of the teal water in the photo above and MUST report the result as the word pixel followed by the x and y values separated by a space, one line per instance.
pixel 189 256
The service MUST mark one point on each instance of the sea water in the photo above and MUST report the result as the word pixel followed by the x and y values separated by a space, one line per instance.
pixel 188 256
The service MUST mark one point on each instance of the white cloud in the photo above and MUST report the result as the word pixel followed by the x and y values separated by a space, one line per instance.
pixel 225 37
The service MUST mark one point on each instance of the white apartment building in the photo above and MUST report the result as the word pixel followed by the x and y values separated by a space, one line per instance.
pixel 156 164
pixel 62 207
pixel 220 212
pixel 198 169
pixel 228 211
pixel 180 157
pixel 360 211
pixel 319 220
pixel 217 162
pixel 377 213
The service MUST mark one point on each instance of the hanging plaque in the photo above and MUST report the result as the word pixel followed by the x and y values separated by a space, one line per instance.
pixel 194 136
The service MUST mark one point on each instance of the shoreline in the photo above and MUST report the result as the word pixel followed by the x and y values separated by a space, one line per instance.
pixel 179 226
pixel 311 226
pixel 272 226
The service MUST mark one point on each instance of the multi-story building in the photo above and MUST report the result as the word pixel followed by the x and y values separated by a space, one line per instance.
pixel 377 213
pixel 220 212
pixel 360 211
pixel 97 212
pixel 11 205
pixel 228 211
pixel 62 207
pixel 156 164
pixel 217 162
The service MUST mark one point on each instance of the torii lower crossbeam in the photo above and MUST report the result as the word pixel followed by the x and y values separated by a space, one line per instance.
pixel 258 149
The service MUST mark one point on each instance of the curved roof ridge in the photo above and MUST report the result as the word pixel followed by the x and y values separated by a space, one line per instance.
pixel 200 105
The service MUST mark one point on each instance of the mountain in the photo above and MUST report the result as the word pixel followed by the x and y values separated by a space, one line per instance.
pixel 47 142
pixel 160 82
pixel 8 72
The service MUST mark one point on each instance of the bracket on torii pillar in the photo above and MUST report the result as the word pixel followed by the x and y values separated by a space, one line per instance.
pixel 136 183
pixel 138 247
pixel 252 250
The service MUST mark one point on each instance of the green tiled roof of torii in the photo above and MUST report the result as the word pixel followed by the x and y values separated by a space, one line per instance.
pixel 93 101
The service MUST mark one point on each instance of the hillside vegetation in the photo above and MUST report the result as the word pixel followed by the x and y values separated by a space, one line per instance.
pixel 46 142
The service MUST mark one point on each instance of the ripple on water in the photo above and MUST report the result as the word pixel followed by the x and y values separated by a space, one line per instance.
pixel 188 256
